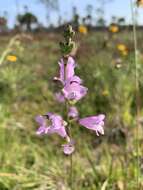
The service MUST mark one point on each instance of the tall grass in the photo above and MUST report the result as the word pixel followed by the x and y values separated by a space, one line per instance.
pixel 138 101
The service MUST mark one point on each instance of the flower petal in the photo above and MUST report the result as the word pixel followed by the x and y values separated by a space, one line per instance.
pixel 70 66
pixel 40 120
pixel 59 97
pixel 41 130
pixel 74 91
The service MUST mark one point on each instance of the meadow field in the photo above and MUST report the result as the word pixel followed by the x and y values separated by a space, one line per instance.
pixel 109 162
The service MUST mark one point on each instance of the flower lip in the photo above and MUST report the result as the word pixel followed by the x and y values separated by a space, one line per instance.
pixel 74 79
pixel 74 91
pixel 73 82
pixel 41 130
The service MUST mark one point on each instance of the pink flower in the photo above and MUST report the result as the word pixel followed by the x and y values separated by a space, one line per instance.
pixel 57 125
pixel 68 148
pixel 73 90
pixel 73 112
pixel 66 70
pixel 94 123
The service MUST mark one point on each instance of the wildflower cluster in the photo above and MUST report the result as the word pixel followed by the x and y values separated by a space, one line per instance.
pixel 71 92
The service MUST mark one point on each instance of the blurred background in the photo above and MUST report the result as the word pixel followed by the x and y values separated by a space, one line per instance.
pixel 30 32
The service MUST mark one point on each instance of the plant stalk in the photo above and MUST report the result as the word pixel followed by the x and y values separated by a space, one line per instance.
pixel 137 93
pixel 71 157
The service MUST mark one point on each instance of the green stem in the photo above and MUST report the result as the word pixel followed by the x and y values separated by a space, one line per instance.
pixel 71 157
pixel 137 91
pixel 91 162
pixel 71 172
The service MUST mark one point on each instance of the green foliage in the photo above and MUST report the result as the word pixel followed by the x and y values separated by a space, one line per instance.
pixel 50 4
pixel 27 19
pixel 67 46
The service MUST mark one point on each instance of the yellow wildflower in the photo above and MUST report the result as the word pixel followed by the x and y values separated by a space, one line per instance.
pixel 121 47
pixel 105 93
pixel 11 58
pixel 82 29
pixel 114 28
pixel 127 117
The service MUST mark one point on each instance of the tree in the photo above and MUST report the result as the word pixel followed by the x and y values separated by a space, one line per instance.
pixel 100 17
pixel 89 10
pixel 101 22
pixel 121 21
pixel 75 20
pixel 114 20
pixel 3 22
pixel 51 5
pixel 101 10
pixel 27 19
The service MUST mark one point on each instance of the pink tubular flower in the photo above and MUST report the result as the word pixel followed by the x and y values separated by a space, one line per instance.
pixel 73 90
pixel 73 112
pixel 66 70
pixel 68 148
pixel 94 123
pixel 57 125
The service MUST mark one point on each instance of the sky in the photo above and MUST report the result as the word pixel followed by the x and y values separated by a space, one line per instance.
pixel 119 8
